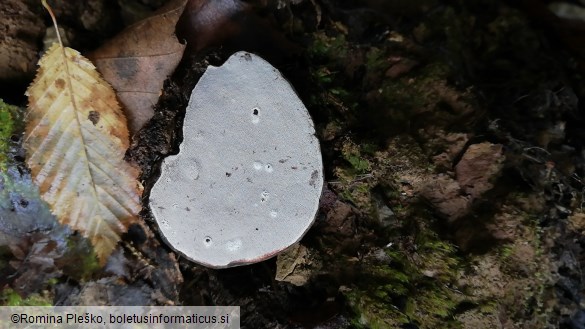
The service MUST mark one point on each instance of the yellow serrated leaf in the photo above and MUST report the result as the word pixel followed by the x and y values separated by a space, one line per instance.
pixel 75 139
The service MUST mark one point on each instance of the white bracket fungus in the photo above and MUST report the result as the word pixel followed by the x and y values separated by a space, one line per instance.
pixel 247 180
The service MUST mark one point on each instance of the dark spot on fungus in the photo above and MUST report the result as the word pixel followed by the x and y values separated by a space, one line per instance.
pixel 314 176
pixel 255 111
pixel 228 174
pixel 94 117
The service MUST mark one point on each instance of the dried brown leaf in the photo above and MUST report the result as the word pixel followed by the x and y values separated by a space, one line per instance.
pixel 75 139
pixel 138 60
pixel 295 265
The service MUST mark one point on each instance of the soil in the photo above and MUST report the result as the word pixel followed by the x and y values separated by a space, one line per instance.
pixel 451 134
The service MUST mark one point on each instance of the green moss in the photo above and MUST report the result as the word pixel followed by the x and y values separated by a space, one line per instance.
pixel 323 76
pixel 428 304
pixel 488 307
pixel 438 256
pixel 356 175
pixel 505 252
pixel 82 263
pixel 373 314
pixel 411 285
pixel 358 163
pixel 332 47
pixel 376 61
pixel 89 265
pixel 418 283
pixel 356 192
pixel 418 91
pixel 412 280
pixel 9 297
pixel 8 118
pixel 352 153
pixel 433 307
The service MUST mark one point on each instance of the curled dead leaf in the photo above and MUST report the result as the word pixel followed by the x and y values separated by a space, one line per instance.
pixel 138 60
pixel 296 265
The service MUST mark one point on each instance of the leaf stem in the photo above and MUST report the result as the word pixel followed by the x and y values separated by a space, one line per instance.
pixel 46 5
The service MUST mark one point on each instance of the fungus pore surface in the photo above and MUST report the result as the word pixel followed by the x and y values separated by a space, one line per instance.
pixel 246 182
